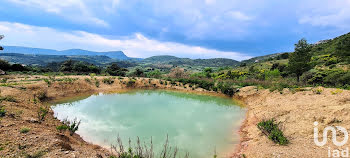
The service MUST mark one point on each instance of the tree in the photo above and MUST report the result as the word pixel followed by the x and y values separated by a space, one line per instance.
pixel 300 58
pixel 342 49
pixel 67 66
pixel 115 70
pixel 4 65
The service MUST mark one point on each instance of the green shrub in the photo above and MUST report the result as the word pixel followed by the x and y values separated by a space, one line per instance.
pixel 317 91
pixel 272 74
pixel 62 128
pixel 88 80
pixel 270 129
pixel 72 126
pixel 131 83
pixel 2 111
pixel 108 81
pixel 42 112
pixel 42 95
pixel 97 83
pixel 48 82
pixel 24 130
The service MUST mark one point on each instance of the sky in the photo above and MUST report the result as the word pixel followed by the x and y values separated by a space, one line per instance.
pixel 236 29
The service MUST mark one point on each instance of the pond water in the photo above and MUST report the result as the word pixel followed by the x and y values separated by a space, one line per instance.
pixel 197 124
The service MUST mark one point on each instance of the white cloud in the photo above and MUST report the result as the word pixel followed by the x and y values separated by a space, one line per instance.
pixel 197 19
pixel 74 10
pixel 136 45
pixel 239 15
pixel 334 13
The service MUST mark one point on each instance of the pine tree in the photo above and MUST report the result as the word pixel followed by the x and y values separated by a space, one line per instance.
pixel 300 58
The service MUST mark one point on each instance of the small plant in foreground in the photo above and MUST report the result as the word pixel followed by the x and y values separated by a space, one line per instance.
pixel 24 130
pixel 143 150
pixel 42 112
pixel 270 129
pixel 2 111
pixel 72 126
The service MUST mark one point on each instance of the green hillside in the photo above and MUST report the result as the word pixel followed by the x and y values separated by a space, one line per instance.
pixel 186 62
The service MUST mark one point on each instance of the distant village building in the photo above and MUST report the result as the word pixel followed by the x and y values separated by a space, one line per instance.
pixel 321 42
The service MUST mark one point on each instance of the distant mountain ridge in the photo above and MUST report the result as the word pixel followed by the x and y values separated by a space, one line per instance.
pixel 172 60
pixel 80 52
pixel 42 60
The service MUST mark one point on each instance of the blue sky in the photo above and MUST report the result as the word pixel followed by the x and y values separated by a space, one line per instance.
pixel 237 29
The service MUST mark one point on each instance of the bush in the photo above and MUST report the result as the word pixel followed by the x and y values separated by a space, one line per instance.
pixel 131 83
pixel 270 129
pixel 97 83
pixel 62 127
pixel 72 126
pixel 42 112
pixel 2 111
pixel 108 81
pixel 48 82
pixel 317 91
pixel 272 74
pixel 24 130
pixel 154 74
pixel 332 77
pixel 88 80
pixel 225 88
pixel 42 95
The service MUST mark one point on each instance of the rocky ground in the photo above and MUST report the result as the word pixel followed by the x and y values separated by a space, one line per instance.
pixel 295 111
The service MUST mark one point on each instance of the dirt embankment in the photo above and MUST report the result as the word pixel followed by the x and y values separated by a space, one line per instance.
pixel 296 112
pixel 43 138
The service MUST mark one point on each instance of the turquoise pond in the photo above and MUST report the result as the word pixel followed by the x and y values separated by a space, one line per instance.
pixel 197 124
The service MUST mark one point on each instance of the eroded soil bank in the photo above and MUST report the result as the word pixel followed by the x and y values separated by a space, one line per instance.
pixel 296 112
pixel 22 101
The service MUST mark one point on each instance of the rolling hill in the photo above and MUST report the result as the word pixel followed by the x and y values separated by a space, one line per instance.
pixel 175 61
pixel 78 52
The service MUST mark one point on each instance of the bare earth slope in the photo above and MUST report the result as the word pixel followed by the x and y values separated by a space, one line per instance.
pixel 296 112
